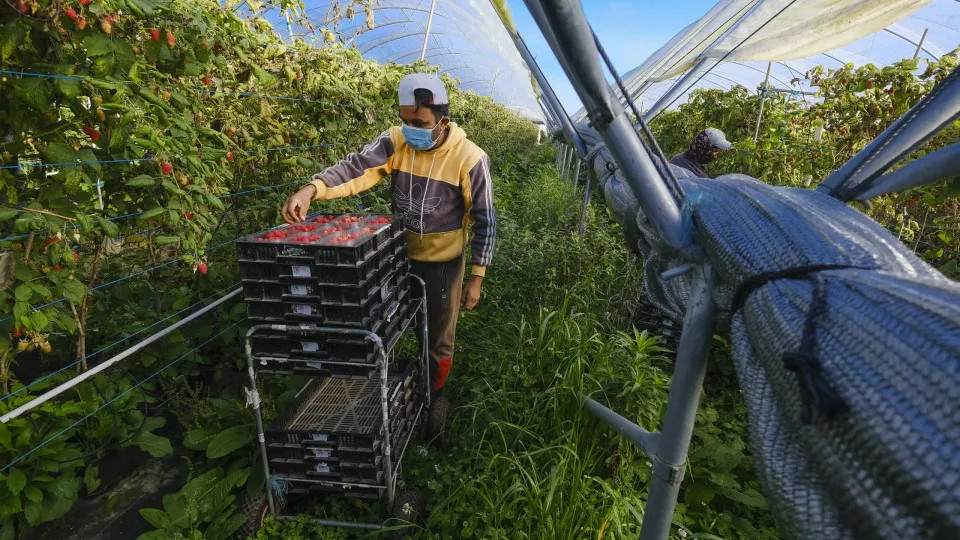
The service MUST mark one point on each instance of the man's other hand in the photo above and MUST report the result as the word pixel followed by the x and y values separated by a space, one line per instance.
pixel 296 208
pixel 471 293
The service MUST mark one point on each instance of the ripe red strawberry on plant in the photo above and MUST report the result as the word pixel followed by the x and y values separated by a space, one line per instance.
pixel 85 2
pixel 171 40
pixel 92 133
pixel 22 7
pixel 76 256
pixel 202 268
pixel 166 168
pixel 189 215
pixel 155 34
pixel 230 156
pixel 72 13
pixel 207 81
pixel 81 24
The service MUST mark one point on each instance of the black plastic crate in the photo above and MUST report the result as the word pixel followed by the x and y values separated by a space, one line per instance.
pixel 259 271
pixel 303 310
pixel 263 291
pixel 321 246
pixel 305 353
pixel 265 311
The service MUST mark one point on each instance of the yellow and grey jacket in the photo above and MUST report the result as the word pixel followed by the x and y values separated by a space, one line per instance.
pixel 436 193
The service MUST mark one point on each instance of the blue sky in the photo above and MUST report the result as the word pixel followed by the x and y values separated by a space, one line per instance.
pixel 630 31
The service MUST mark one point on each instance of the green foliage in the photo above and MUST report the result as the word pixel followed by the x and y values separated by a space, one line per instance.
pixel 855 105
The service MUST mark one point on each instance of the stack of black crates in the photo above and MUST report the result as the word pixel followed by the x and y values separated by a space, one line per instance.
pixel 344 271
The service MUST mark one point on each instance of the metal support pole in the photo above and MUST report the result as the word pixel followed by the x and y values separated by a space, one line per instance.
pixel 685 388
pixel 549 97
pixel 566 165
pixel 426 34
pixel 586 205
pixel 289 26
pixel 920 43
pixel 763 97
pixel 576 174
pixel 565 27
pixel 641 438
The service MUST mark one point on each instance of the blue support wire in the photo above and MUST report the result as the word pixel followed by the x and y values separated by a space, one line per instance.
pixel 73 163
pixel 198 90
pixel 116 218
pixel 114 344
pixel 125 278
pixel 23 456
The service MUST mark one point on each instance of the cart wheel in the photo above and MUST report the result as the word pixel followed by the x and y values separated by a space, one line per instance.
pixel 409 512
pixel 436 425
pixel 256 509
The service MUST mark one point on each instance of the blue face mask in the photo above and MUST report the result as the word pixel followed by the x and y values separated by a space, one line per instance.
pixel 419 138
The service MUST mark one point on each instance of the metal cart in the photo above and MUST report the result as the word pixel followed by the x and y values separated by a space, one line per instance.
pixel 383 354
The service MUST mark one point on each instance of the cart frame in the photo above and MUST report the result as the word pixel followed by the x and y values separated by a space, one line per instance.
pixel 383 352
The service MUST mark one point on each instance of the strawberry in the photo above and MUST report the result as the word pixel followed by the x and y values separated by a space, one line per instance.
pixel 22 7
pixel 72 14
pixel 230 156
pixel 206 82
pixel 155 34
pixel 17 332
pixel 189 215
pixel 92 133
pixel 85 2
pixel 166 168
pixel 81 24
pixel 106 27
pixel 171 40
pixel 76 256
pixel 202 268
pixel 870 84
pixel 57 267
pixel 299 75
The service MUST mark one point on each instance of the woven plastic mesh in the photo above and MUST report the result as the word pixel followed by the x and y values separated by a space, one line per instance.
pixel 888 344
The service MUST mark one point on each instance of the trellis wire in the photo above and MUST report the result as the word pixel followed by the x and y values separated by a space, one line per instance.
pixel 114 344
pixel 23 456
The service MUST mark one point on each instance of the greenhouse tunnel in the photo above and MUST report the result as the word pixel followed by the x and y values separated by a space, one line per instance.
pixel 767 350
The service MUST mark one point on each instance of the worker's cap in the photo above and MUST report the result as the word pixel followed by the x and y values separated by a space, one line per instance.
pixel 426 81
pixel 717 138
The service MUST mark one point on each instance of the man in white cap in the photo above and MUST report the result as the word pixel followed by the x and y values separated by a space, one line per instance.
pixel 441 186
pixel 705 148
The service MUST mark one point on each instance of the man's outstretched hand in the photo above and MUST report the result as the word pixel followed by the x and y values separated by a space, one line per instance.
pixel 471 293
pixel 296 208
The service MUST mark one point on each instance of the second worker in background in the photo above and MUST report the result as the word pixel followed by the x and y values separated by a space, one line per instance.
pixel 441 185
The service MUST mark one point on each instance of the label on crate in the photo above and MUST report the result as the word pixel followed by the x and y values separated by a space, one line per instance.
pixel 301 271
pixel 309 346
pixel 320 453
pixel 299 290
pixel 303 309
pixel 315 365
pixel 322 437
pixel 322 468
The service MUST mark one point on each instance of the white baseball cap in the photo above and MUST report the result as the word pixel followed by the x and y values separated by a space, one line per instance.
pixel 426 81
pixel 718 139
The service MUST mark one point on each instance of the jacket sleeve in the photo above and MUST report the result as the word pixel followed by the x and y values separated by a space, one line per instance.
pixel 478 195
pixel 357 172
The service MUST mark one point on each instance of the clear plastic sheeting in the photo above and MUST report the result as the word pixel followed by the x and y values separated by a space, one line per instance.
pixel 879 32
pixel 466 39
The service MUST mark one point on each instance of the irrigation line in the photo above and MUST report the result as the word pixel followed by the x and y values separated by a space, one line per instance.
pixel 23 456
pixel 112 345
pixel 54 392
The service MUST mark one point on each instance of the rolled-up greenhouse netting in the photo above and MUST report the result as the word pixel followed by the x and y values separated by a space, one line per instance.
pixel 845 344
